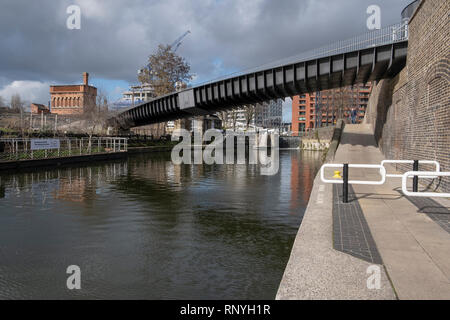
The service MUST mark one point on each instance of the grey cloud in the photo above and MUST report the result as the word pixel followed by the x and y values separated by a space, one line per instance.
pixel 117 36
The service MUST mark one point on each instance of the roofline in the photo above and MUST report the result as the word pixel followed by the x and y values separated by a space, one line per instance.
pixel 68 85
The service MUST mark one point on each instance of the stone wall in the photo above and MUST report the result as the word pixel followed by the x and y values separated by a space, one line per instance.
pixel 410 114
pixel 322 134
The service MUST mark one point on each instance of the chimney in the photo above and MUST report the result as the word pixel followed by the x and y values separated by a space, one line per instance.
pixel 85 78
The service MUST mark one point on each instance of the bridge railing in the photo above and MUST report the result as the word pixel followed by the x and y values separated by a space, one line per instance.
pixel 387 35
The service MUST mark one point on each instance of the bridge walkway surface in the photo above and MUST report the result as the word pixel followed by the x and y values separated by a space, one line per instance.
pixel 408 239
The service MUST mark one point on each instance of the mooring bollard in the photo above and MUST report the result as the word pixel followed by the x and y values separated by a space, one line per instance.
pixel 416 178
pixel 345 184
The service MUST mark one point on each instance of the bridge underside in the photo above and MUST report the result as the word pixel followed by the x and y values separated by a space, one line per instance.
pixel 278 82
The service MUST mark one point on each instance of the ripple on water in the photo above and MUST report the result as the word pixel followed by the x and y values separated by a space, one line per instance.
pixel 144 228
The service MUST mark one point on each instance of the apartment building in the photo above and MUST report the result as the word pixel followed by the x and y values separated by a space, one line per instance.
pixel 323 108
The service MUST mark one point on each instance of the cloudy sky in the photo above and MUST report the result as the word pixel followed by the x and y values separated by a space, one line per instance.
pixel 116 37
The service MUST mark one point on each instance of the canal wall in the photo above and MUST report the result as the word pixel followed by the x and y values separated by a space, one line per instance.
pixel 324 139
pixel 315 145
pixel 55 162
pixel 318 140
pixel 289 142
pixel 335 140
pixel 136 150
pixel 410 114
pixel 70 160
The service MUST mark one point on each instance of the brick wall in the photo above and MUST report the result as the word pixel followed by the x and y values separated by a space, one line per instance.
pixel 411 113
pixel 72 99
pixel 38 108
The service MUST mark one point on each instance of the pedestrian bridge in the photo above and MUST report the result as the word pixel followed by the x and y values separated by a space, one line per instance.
pixel 372 56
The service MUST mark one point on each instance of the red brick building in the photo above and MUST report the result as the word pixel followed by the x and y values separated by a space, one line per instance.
pixel 37 108
pixel 323 108
pixel 73 99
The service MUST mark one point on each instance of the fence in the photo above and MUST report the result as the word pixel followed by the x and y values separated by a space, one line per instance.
pixel 425 174
pixel 14 149
pixel 27 121
pixel 415 174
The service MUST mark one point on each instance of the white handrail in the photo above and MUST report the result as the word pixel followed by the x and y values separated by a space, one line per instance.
pixel 405 176
pixel 392 175
pixel 426 174
pixel 365 166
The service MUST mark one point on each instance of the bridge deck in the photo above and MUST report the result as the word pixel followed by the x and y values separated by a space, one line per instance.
pixel 373 56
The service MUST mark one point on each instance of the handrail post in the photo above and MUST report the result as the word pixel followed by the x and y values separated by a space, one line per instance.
pixel 416 178
pixel 345 184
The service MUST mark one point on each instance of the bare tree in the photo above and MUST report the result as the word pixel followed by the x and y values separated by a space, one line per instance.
pixel 341 100
pixel 17 106
pixel 101 102
pixel 166 69
pixel 249 115
pixel 223 116
pixel 233 116
pixel 95 118
pixel 16 103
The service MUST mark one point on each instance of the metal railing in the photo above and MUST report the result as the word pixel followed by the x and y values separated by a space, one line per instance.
pixel 392 175
pixel 415 174
pixel 365 166
pixel 387 35
pixel 390 34
pixel 13 149
pixel 426 174
pixel 344 180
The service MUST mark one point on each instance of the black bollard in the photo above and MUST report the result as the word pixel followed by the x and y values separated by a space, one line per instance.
pixel 416 178
pixel 345 184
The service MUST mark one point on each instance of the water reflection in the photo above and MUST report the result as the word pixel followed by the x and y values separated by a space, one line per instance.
pixel 146 228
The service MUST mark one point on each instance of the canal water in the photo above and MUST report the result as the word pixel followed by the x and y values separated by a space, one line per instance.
pixel 144 228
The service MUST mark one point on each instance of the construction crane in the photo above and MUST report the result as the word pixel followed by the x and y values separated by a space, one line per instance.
pixel 174 46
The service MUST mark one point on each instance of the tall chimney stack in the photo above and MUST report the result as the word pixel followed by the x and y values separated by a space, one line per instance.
pixel 86 78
